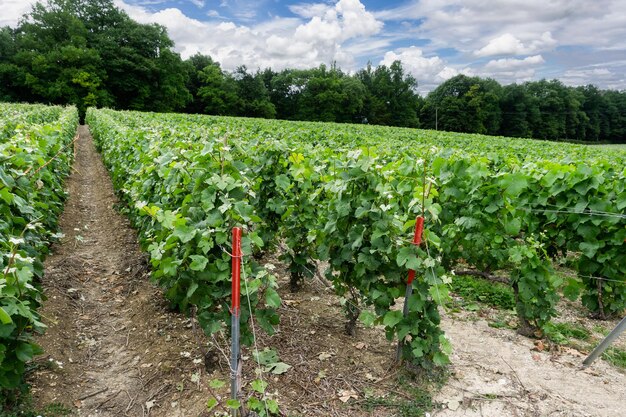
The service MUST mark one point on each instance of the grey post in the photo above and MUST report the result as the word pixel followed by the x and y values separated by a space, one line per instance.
pixel 621 326
pixel 235 371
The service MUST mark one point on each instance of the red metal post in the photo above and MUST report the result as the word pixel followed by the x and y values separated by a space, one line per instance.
pixel 417 240
pixel 235 363
pixel 236 271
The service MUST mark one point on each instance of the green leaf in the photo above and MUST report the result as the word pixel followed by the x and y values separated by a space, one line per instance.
pixel 272 299
pixel 367 318
pixel 440 359
pixel 513 226
pixel 166 218
pixel 439 293
pixel 282 181
pixel 404 254
pixel 589 248
pixel 4 317
pixel 24 351
pixel 266 356
pixel 272 406
pixel 216 383
pixel 198 262
pixel 233 404
pixel 392 318
pixel 211 404
pixel 514 183
pixel 259 385
pixel 192 289
pixel 184 233
pixel 280 368
pixel 572 289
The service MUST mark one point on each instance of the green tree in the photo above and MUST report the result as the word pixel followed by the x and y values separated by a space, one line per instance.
pixel 254 99
pixel 518 109
pixel 217 92
pixel 391 97
pixel 88 52
pixel 465 104
pixel 195 64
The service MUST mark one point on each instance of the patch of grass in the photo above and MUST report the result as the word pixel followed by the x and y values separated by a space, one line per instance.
pixel 474 290
pixel 502 321
pixel 561 332
pixel 615 356
pixel 419 392
pixel 22 406
pixel 600 329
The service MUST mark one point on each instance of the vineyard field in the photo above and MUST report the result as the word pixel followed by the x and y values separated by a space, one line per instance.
pixel 349 195
pixel 35 158
pixel 329 213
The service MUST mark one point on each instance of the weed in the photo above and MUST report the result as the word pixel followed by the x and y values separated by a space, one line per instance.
pixel 600 329
pixel 474 290
pixel 561 332
pixel 421 400
pixel 615 356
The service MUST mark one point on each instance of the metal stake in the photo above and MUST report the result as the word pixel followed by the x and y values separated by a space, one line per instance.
pixel 417 240
pixel 621 326
pixel 235 363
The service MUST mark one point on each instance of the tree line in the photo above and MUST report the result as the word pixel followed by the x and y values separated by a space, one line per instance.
pixel 90 53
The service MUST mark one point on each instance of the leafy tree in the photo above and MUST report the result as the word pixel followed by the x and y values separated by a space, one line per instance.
pixel 466 104
pixel 518 109
pixel 88 52
pixel 195 64
pixel 254 99
pixel 391 98
pixel 217 93
pixel 285 91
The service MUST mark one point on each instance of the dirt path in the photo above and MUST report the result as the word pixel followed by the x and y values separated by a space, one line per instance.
pixel 112 348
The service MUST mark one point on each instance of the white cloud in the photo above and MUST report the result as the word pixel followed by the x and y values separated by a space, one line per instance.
pixel 469 25
pixel 309 10
pixel 565 32
pixel 12 11
pixel 568 39
pixel 198 3
pixel 508 44
pixel 599 75
pixel 428 72
pixel 513 63
pixel 279 43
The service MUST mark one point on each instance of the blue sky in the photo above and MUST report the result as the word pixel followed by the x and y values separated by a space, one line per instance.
pixel 577 41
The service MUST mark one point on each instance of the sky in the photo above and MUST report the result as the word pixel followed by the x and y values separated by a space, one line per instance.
pixel 576 41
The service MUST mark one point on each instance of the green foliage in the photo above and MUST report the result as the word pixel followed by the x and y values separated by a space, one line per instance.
pixel 615 356
pixel 465 104
pixel 91 53
pixel 562 199
pixel 258 401
pixel 417 399
pixel 561 332
pixel 185 196
pixel 35 159
pixel 349 195
pixel 479 290
pixel 353 209
pixel 390 98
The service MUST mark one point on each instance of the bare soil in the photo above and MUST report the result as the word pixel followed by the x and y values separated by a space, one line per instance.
pixel 114 349
pixel 497 372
